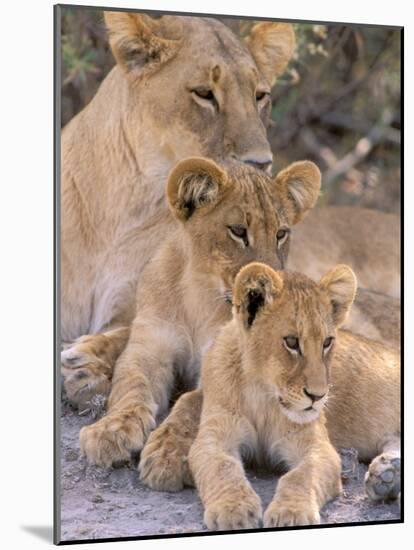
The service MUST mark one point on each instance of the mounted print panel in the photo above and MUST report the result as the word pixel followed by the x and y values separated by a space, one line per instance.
pixel 228 198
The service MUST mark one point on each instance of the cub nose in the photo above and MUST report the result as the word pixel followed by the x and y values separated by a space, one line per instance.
pixel 312 396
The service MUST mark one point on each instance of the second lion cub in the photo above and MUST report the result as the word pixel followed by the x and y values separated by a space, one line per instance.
pixel 265 383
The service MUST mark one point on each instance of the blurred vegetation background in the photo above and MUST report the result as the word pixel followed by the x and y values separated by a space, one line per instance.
pixel 338 103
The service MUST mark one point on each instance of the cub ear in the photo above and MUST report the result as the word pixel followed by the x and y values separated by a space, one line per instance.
pixel 195 183
pixel 137 41
pixel 256 286
pixel 272 46
pixel 299 185
pixel 341 285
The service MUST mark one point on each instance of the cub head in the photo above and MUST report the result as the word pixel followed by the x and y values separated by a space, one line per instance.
pixel 197 89
pixel 232 215
pixel 288 325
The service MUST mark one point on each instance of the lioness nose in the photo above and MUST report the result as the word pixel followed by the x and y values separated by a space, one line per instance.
pixel 263 162
pixel 312 395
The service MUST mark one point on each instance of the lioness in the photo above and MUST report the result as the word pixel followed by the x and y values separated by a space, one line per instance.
pixel 182 86
pixel 225 218
pixel 265 384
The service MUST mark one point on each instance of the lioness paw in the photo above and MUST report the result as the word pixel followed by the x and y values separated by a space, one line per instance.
pixel 163 464
pixel 84 377
pixel 72 357
pixel 383 479
pixel 116 438
pixel 82 386
pixel 240 511
pixel 279 514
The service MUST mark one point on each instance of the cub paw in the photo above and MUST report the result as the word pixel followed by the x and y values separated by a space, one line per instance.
pixel 163 464
pixel 235 512
pixel 383 479
pixel 116 438
pixel 280 514
pixel 84 377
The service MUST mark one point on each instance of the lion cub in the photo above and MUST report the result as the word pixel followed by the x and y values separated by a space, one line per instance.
pixel 225 217
pixel 265 383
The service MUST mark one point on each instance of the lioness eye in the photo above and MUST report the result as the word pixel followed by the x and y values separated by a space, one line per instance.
pixel 281 236
pixel 205 94
pixel 261 95
pixel 292 343
pixel 240 232
pixel 328 343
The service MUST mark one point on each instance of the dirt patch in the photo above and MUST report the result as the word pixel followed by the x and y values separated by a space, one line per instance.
pixel 98 503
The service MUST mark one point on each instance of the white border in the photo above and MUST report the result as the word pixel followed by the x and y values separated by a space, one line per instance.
pixel 26 231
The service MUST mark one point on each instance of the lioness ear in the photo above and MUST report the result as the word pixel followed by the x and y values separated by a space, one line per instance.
pixel 299 185
pixel 194 183
pixel 341 285
pixel 272 46
pixel 137 41
pixel 256 285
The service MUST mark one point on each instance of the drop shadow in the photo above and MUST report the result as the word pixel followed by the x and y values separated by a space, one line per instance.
pixel 44 532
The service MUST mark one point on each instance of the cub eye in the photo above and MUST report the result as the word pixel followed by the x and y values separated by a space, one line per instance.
pixel 240 232
pixel 328 343
pixel 292 343
pixel 261 95
pixel 282 235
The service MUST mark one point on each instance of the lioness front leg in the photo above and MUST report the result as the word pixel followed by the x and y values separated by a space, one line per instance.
pixel 302 492
pixel 142 381
pixel 164 460
pixel 228 498
pixel 383 479
pixel 87 365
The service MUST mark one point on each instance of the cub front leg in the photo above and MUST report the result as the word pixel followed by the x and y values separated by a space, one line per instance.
pixel 228 498
pixel 87 365
pixel 302 492
pixel 164 460
pixel 141 386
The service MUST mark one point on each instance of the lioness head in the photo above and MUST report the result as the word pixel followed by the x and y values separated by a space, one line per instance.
pixel 194 88
pixel 234 215
pixel 289 323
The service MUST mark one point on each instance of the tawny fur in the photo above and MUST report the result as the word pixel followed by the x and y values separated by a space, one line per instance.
pixel 253 404
pixel 376 316
pixel 366 240
pixel 182 299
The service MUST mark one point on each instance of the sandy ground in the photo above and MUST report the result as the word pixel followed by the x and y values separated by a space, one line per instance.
pixel 98 503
